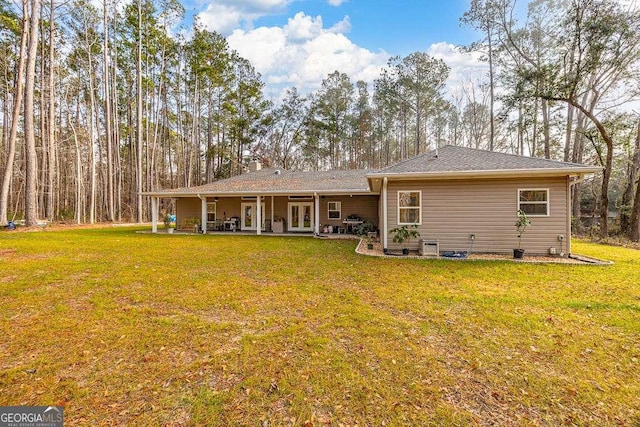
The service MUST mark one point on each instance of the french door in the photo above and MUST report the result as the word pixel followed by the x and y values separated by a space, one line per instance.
pixel 300 216
pixel 249 219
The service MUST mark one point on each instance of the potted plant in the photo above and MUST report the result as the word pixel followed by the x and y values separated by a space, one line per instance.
pixel 167 223
pixel 367 231
pixel 521 226
pixel 195 222
pixel 403 234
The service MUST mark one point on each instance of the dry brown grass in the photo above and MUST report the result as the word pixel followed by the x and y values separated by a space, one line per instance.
pixel 132 329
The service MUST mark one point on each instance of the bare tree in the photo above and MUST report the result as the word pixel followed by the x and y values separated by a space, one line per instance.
pixel 604 41
pixel 31 175
pixel 15 118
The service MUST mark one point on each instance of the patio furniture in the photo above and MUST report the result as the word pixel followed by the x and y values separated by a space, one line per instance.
pixel 352 222
pixel 231 224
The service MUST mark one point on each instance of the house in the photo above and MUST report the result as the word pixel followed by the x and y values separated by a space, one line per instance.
pixel 455 195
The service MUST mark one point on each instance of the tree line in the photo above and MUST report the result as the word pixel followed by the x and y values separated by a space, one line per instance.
pixel 101 105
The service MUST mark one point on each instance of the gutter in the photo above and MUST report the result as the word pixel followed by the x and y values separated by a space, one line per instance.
pixel 501 173
pixel 200 194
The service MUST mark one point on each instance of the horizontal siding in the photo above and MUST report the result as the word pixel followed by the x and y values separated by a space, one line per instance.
pixel 187 208
pixel 453 210
pixel 364 206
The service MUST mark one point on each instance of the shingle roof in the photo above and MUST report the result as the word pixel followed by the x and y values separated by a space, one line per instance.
pixel 278 181
pixel 453 159
pixel 449 161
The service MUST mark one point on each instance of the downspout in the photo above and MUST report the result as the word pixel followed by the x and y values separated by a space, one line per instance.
pixel 316 220
pixel 384 214
pixel 203 213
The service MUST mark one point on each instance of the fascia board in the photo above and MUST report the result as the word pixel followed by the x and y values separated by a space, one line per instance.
pixel 509 173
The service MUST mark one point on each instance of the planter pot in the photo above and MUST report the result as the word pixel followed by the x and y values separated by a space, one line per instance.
pixel 170 230
pixel 518 253
pixel 405 251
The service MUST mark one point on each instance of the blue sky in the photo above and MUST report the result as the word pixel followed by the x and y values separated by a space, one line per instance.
pixel 299 42
pixel 398 27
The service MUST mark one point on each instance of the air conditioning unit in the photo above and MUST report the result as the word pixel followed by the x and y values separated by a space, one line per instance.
pixel 429 247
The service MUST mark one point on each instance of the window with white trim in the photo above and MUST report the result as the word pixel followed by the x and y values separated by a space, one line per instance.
pixel 534 202
pixel 334 210
pixel 211 211
pixel 409 207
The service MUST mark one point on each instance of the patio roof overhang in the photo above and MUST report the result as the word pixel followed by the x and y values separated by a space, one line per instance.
pixel 279 193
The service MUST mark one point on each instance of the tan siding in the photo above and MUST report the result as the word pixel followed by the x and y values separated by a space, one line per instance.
pixel 187 208
pixel 453 210
pixel 365 207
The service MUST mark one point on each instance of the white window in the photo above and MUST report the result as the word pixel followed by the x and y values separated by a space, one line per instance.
pixel 534 202
pixel 211 211
pixel 334 210
pixel 409 207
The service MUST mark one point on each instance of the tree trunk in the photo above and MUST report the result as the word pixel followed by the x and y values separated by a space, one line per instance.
pixel 568 132
pixel 108 120
pixel 627 196
pixel 139 171
pixel 51 110
pixel 31 175
pixel 545 128
pixel 634 232
pixel 17 107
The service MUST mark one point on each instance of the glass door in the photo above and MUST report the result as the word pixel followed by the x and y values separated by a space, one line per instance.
pixel 301 216
pixel 249 219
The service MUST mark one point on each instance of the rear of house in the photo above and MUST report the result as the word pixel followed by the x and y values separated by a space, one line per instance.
pixel 455 196
pixel 279 214
pixel 276 201
pixel 483 212
pixel 458 196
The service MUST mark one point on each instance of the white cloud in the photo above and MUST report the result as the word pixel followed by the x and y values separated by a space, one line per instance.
pixel 466 67
pixel 224 16
pixel 303 27
pixel 303 53
pixel 341 27
pixel 223 19
pixel 336 2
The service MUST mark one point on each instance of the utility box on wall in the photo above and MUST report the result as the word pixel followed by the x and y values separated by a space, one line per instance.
pixel 429 248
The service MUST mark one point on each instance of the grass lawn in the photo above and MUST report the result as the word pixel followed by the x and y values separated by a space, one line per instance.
pixel 140 329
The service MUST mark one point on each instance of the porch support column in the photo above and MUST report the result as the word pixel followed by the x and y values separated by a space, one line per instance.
pixel 384 214
pixel 316 219
pixel 272 213
pixel 203 213
pixel 259 215
pixel 155 201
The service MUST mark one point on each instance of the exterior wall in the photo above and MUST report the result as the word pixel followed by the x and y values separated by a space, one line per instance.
pixel 452 210
pixel 187 208
pixel 364 206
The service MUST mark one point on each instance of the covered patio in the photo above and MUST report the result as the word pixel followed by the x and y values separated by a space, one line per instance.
pixel 273 201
